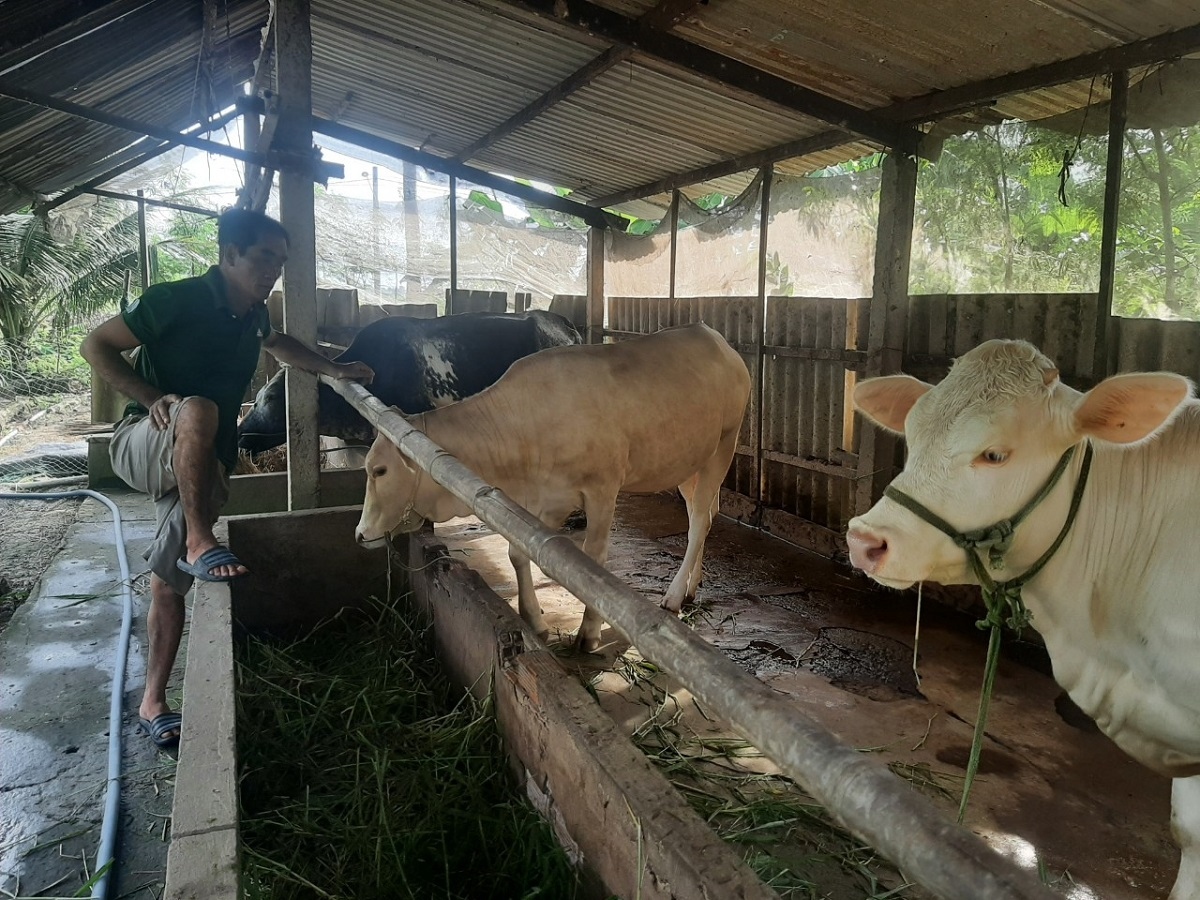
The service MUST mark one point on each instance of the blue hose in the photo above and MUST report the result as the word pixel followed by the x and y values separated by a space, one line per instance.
pixel 112 794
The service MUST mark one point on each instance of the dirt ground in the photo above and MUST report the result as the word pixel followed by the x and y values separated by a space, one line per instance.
pixel 31 532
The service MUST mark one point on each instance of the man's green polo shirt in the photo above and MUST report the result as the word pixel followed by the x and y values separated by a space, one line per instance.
pixel 193 345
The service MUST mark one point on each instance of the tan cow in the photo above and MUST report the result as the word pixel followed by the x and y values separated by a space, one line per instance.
pixel 569 428
pixel 1118 603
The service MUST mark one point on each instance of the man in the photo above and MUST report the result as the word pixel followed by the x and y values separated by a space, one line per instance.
pixel 200 340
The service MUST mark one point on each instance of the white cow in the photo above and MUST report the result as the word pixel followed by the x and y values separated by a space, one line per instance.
pixel 1118 603
pixel 569 428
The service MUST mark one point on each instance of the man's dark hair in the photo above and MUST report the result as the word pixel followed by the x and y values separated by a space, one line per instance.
pixel 244 228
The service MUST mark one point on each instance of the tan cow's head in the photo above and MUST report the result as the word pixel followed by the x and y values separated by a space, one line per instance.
pixel 400 496
pixel 982 443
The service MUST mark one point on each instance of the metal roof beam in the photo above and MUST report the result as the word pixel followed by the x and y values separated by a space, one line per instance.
pixel 818 142
pixel 940 103
pixel 666 15
pixel 1164 47
pixel 365 139
pixel 580 78
pixel 322 170
pixel 716 68
pixel 165 204
pixel 129 165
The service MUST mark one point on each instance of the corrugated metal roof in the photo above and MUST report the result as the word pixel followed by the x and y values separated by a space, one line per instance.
pixel 144 66
pixel 441 74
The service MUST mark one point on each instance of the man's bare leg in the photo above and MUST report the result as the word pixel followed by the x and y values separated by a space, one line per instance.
pixel 192 459
pixel 164 630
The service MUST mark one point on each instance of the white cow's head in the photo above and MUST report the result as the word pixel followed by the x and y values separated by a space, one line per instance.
pixel 400 496
pixel 982 443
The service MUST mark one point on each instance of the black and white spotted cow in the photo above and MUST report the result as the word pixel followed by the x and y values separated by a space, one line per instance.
pixel 419 364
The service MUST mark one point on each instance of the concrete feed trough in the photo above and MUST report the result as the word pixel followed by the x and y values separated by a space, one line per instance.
pixel 634 834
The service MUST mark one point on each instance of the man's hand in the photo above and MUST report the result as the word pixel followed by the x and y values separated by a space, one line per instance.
pixel 355 371
pixel 160 410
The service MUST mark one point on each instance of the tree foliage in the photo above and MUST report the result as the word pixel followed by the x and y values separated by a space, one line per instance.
pixel 990 217
pixel 50 282
pixel 54 282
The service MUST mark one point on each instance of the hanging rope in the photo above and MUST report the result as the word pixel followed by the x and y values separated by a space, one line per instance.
pixel 1068 159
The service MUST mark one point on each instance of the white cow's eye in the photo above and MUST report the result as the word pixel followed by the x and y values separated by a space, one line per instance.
pixel 995 457
pixel 379 472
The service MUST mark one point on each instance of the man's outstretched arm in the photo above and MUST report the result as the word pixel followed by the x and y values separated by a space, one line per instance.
pixel 288 350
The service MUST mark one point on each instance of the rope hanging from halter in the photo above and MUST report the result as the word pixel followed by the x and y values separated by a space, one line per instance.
pixel 1002 599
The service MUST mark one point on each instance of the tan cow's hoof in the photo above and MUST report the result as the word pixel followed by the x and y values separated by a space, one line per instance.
pixel 588 645
pixel 667 606
pixel 544 635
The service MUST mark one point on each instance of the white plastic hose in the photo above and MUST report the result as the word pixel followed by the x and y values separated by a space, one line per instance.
pixel 112 793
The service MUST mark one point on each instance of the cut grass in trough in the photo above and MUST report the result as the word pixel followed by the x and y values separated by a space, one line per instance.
pixel 366 774
pixel 784 835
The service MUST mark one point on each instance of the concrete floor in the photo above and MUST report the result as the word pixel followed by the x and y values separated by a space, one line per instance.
pixel 56 668
pixel 1048 791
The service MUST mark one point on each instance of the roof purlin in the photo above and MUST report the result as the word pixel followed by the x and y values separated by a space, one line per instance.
pixel 716 68
pixel 448 166
pixel 939 104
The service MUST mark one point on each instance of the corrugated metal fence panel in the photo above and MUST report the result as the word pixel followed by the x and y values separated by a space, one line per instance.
pixel 815 347
pixel 944 326
pixel 638 315
pixel 733 317
pixel 807 472
pixel 1148 345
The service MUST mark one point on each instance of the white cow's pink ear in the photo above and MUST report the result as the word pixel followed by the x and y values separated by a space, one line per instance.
pixel 1125 409
pixel 887 400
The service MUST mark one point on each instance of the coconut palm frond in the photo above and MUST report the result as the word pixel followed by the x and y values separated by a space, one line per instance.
pixel 43 280
pixel 197 252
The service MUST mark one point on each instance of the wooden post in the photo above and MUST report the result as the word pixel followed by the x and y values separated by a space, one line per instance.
pixel 1105 354
pixel 758 326
pixel 889 314
pixel 595 286
pixel 293 60
pixel 453 245
pixel 143 246
pixel 674 252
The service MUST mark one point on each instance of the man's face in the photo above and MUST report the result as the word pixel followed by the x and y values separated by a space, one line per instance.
pixel 253 273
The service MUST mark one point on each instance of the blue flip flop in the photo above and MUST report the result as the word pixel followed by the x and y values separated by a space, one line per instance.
pixel 158 727
pixel 210 559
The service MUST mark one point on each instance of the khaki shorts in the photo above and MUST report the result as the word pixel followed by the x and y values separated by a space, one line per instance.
pixel 142 456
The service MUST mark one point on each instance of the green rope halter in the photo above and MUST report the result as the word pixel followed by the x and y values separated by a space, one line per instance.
pixel 1002 599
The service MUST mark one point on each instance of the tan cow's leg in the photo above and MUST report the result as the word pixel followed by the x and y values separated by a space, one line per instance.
pixel 527 602
pixel 1185 826
pixel 600 512
pixel 705 490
